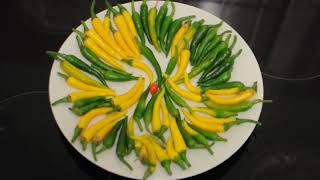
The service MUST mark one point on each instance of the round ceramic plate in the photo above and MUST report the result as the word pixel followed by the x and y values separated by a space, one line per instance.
pixel 246 69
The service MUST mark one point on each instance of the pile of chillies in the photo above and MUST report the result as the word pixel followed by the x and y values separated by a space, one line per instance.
pixel 168 136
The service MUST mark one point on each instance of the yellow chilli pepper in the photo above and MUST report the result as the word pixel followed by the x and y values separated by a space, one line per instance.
pixel 162 155
pixel 142 66
pixel 124 30
pixel 104 34
pixel 98 137
pixel 129 21
pixel 99 41
pixel 89 43
pixel 133 99
pixel 188 95
pixel 184 60
pixel 178 141
pixel 212 127
pixel 165 115
pixel 223 91
pixel 156 122
pixel 173 155
pixel 189 86
pixel 241 97
pixel 178 37
pixel 74 96
pixel 78 74
pixel 86 119
pixel 89 132
pixel 204 110
pixel 213 119
pixel 126 96
pixel 151 151
pixel 71 81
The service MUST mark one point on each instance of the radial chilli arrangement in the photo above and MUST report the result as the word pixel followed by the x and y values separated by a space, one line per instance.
pixel 166 136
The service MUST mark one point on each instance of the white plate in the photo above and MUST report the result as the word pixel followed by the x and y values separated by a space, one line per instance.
pixel 246 70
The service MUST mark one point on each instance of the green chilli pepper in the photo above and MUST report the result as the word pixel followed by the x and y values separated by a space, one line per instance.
pixel 227 64
pixel 121 149
pixel 144 19
pixel 84 109
pixel 78 63
pixel 224 77
pixel 161 15
pixel 140 108
pixel 208 37
pixel 152 27
pixel 241 107
pixel 83 102
pixel 174 27
pixel 176 98
pixel 227 85
pixel 209 135
pixel 114 76
pixel 151 58
pixel 228 125
pixel 200 34
pixel 171 108
pixel 110 138
pixel 94 59
pixel 137 22
pixel 165 26
pixel 210 47
pixel 147 117
pixel 172 63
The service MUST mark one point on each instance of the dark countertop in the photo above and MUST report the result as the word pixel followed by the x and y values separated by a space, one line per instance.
pixel 282 34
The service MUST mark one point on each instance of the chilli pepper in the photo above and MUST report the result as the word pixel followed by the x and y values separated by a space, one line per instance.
pixel 224 77
pixel 210 47
pixel 183 63
pixel 165 118
pixel 152 14
pixel 115 76
pixel 84 109
pixel 99 136
pixel 174 26
pixel 83 102
pixel 197 136
pixel 129 94
pixel 188 95
pixel 123 29
pixel 133 99
pixel 152 59
pixel 78 63
pixel 78 74
pixel 130 133
pixel 227 64
pixel 90 43
pixel 75 96
pixel 178 141
pixel 178 37
pixel 87 118
pixel 141 66
pixel 144 19
pixel 121 149
pixel 162 155
pixel 172 63
pixel 214 113
pixel 102 29
pixel 109 140
pixel 200 34
pixel 177 99
pixel 160 17
pixel 173 155
pixel 153 88
pixel 227 85
pixel 213 119
pixel 223 91
pixel 156 122
pixel 94 59
pixel 209 36
pixel 169 104
pixel 140 108
pixel 189 86
pixel 209 135
pixel 239 98
pixel 106 21
pixel 71 81
pixel 128 19
pixel 137 22
pixel 93 35
pixel 147 117
pixel 189 139
pixel 120 40
pixel 165 26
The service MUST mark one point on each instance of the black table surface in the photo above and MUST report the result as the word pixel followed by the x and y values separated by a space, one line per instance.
pixel 283 35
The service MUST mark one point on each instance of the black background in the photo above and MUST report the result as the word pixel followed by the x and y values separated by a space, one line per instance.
pixel 283 34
